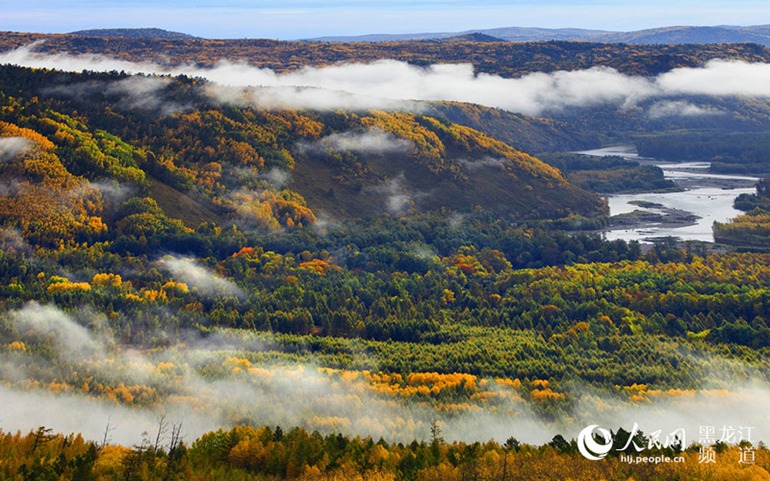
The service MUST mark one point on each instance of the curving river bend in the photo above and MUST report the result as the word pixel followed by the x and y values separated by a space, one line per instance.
pixel 709 197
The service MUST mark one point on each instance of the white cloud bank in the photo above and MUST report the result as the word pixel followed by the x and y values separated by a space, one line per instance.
pixel 390 84
pixel 680 108
pixel 302 395
pixel 50 322
pixel 10 147
pixel 374 141
pixel 206 282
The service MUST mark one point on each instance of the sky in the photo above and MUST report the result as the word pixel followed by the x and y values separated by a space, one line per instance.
pixel 299 19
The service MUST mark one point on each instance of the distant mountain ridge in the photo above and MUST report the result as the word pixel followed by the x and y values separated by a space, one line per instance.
pixel 506 59
pixel 516 34
pixel 132 33
pixel 474 37
pixel 664 35
pixel 682 34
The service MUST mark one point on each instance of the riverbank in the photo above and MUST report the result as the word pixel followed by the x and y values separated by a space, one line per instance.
pixel 687 214
pixel 653 215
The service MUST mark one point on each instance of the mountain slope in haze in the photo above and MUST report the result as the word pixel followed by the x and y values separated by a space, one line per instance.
pixel 513 34
pixel 131 33
pixel 534 34
pixel 472 37
pixel 662 35
pixel 687 34
pixel 528 134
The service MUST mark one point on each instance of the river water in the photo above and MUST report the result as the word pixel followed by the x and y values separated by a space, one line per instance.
pixel 708 196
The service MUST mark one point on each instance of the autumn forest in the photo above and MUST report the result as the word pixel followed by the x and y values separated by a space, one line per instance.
pixel 197 282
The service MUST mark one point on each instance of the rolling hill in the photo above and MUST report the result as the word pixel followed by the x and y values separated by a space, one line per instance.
pixel 131 33
pixel 689 34
pixel 662 35
pixel 214 161
pixel 509 34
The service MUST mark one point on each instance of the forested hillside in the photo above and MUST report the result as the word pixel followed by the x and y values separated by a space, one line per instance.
pixel 165 137
pixel 526 133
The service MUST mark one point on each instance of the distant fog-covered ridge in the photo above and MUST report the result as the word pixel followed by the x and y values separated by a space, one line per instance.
pixel 132 33
pixel 518 34
pixel 662 35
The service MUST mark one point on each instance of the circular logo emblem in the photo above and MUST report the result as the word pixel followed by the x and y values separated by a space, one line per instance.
pixel 589 448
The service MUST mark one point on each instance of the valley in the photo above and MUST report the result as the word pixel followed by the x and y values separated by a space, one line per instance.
pixel 687 215
pixel 258 259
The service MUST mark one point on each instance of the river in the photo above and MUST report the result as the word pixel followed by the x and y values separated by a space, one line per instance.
pixel 709 197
